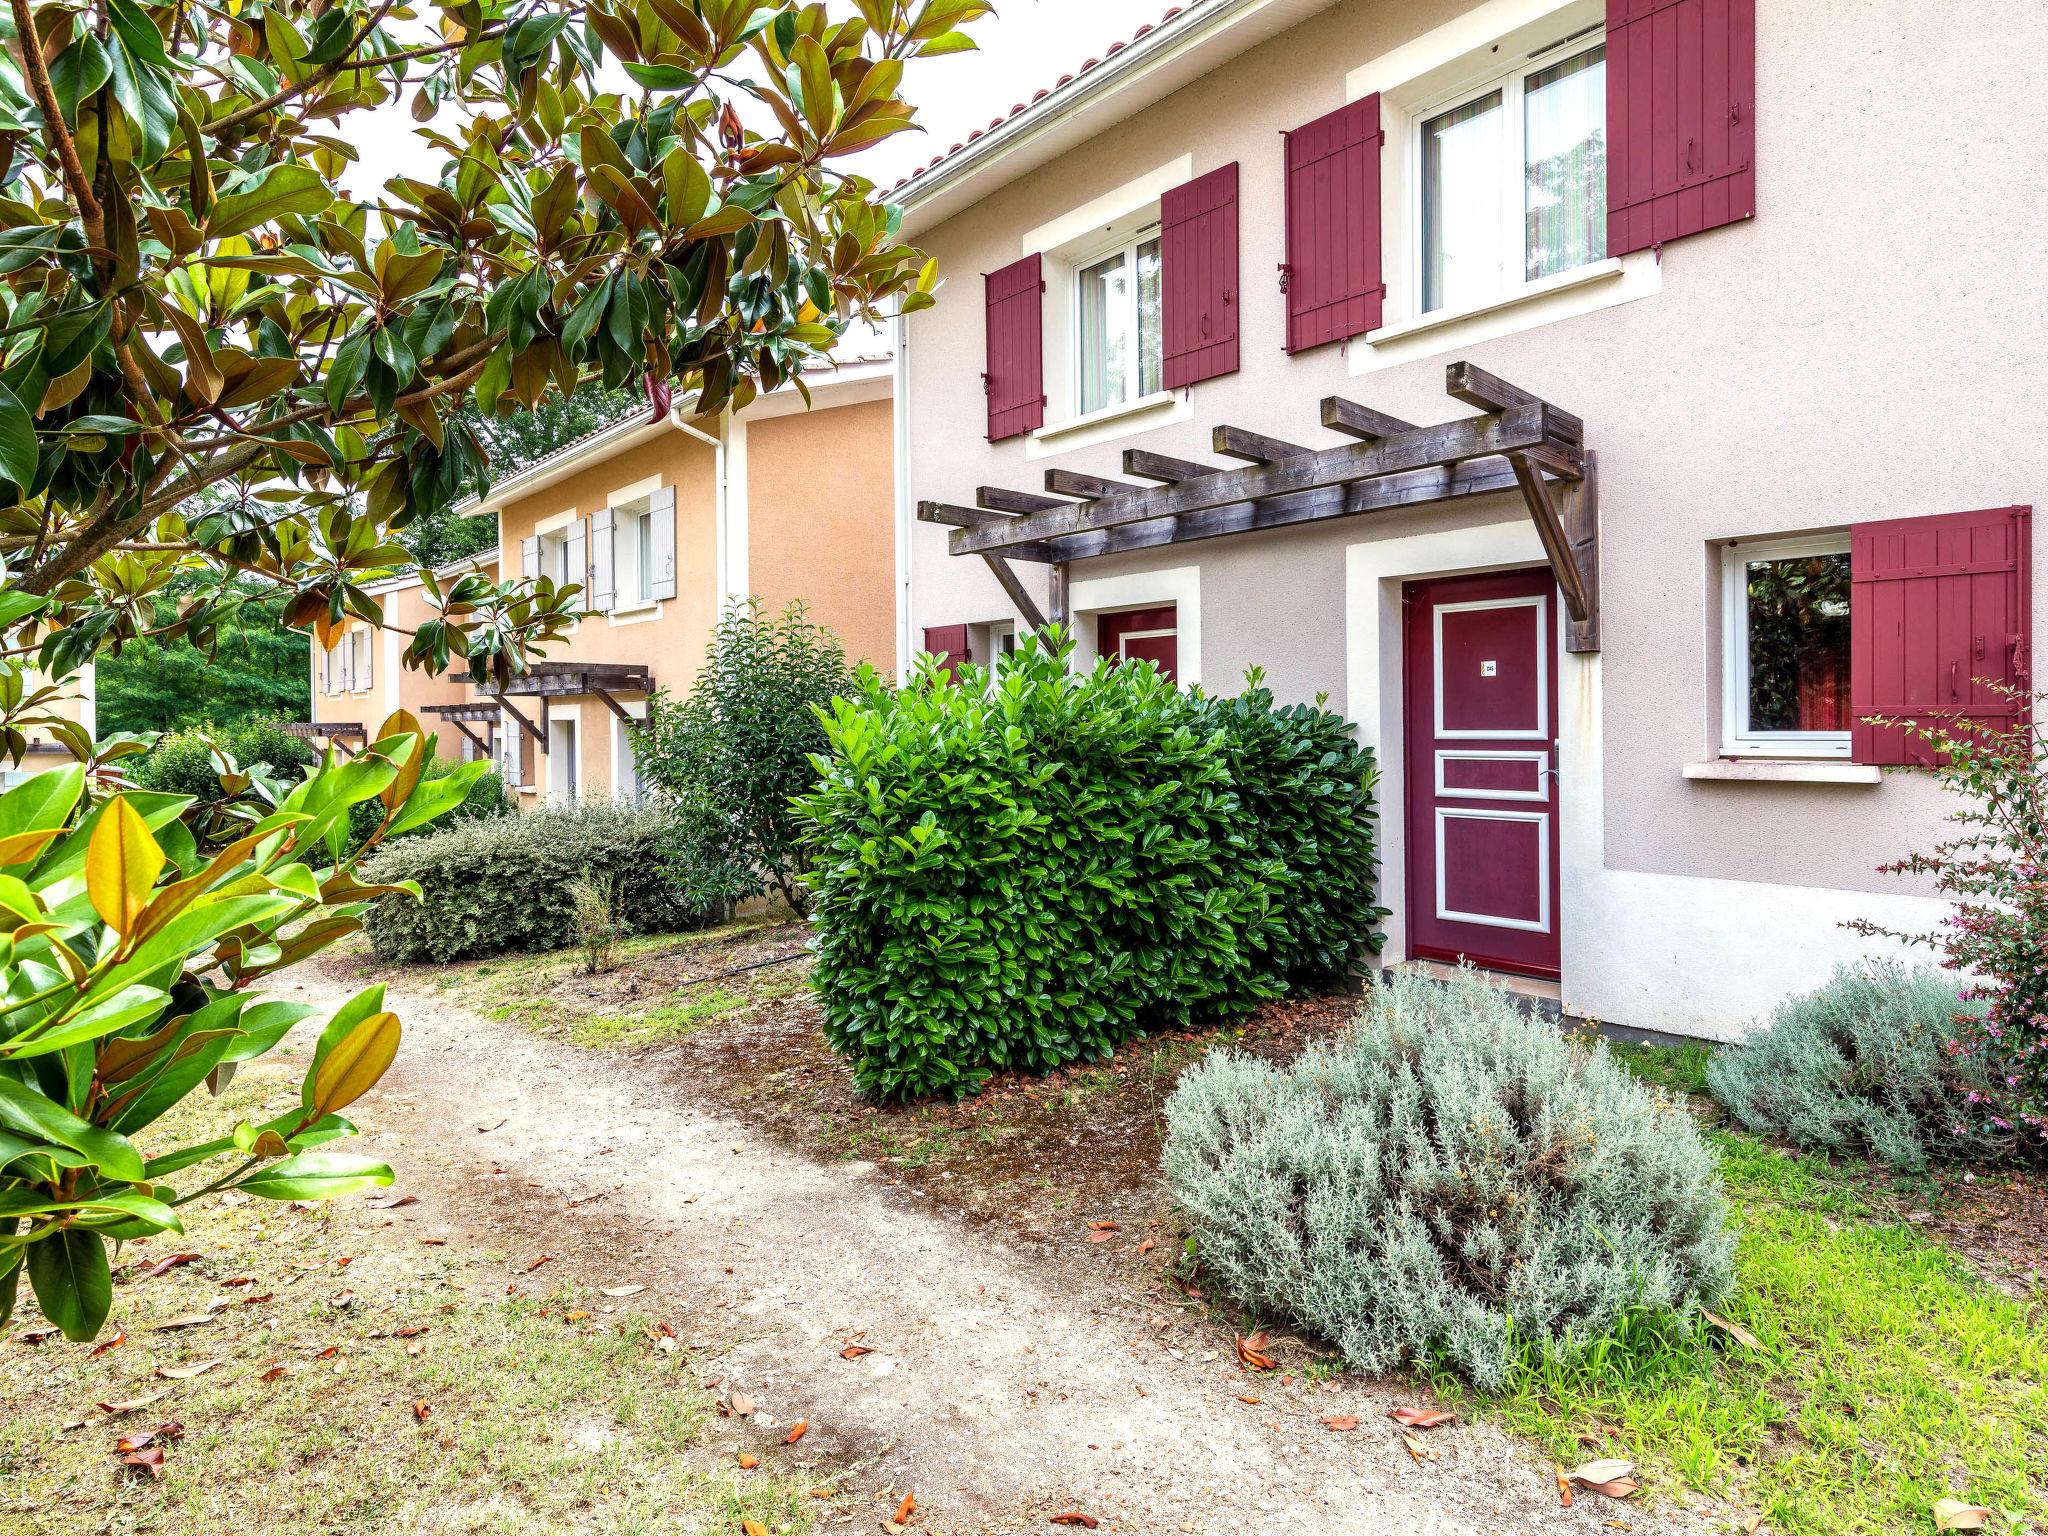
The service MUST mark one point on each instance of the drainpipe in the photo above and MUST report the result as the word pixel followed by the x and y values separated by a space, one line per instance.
pixel 899 422
pixel 722 519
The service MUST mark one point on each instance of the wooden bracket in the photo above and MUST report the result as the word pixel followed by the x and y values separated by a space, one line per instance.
pixel 614 706
pixel 1578 508
pixel 1057 601
pixel 1253 447
pixel 1580 603
pixel 482 745
pixel 539 736
pixel 1033 617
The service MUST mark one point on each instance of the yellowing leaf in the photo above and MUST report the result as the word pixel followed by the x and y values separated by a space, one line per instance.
pixel 1955 1515
pixel 121 865
pixel 358 1059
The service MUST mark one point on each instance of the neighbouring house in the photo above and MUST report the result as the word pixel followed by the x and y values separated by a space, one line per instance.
pixel 663 519
pixel 76 702
pixel 1608 406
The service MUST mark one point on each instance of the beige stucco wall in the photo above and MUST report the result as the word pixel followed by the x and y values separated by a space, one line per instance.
pixel 393 686
pixel 1866 347
pixel 820 488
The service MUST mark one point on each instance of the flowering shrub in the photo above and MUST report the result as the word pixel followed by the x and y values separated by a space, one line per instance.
pixel 1996 871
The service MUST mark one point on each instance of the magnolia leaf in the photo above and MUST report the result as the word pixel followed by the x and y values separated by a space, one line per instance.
pixel 316 1176
pixel 284 190
pixel 1955 1515
pixel 121 865
pixel 355 1063
pixel 73 1285
pixel 18 453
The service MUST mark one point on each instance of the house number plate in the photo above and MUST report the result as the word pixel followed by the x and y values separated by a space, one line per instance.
pixel 1488 668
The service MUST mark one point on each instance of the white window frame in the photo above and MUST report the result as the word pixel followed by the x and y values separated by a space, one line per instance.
pixel 624 756
pixel 1515 283
pixel 554 554
pixel 1736 740
pixel 1134 397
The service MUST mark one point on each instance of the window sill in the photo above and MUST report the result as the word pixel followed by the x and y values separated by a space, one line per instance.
pixel 1779 770
pixel 1096 418
pixel 1600 271
pixel 636 613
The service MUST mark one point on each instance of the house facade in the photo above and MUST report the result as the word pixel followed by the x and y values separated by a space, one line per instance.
pixel 1608 404
pixel 662 520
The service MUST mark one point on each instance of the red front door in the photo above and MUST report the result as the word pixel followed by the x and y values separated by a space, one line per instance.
pixel 1482 787
pixel 1144 634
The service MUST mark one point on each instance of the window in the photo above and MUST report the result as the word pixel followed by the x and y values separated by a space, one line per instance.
pixel 1788 648
pixel 554 557
pixel 1116 319
pixel 359 676
pixel 625 764
pixel 633 551
pixel 1513 182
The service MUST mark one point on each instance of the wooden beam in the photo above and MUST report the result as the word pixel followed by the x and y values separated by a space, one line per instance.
pixel 1058 595
pixel 539 736
pixel 1033 617
pixel 1578 508
pixel 1147 465
pixel 1557 545
pixel 1476 387
pixel 1253 447
pixel 1071 482
pixel 614 706
pixel 1361 421
pixel 482 745
pixel 976 517
pixel 1446 443
pixel 996 499
pixel 1389 493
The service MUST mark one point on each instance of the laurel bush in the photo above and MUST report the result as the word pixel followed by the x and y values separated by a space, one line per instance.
pixel 1028 870
pixel 1450 1179
pixel 1863 1064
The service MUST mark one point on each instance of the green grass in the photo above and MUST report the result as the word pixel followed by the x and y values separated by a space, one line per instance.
pixel 646 1024
pixel 1682 1068
pixel 1889 1375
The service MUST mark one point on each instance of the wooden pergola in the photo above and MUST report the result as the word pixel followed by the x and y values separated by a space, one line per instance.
pixel 547 680
pixel 336 731
pixel 459 716
pixel 1517 443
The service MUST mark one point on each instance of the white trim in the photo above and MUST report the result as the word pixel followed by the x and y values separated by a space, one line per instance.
pixel 733 579
pixel 1144 414
pixel 622 748
pixel 636 613
pixel 906 522
pixel 1121 202
pixel 570 715
pixel 1763 770
pixel 1692 955
pixel 646 485
pixel 1541 760
pixel 1475 30
pixel 554 523
pixel 1736 741
pixel 1446 913
pixel 1180 586
pixel 1541 730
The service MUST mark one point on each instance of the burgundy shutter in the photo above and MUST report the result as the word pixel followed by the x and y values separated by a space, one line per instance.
pixel 1333 280
pixel 1935 604
pixel 948 642
pixel 1198 277
pixel 1015 380
pixel 1681 118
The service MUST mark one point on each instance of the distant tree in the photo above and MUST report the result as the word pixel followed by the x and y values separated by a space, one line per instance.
pixel 256 668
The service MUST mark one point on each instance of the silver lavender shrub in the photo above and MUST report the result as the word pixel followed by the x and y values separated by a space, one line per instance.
pixel 1862 1064
pixel 1449 1179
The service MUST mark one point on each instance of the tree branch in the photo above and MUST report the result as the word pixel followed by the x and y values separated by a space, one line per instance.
pixel 235 121
pixel 90 214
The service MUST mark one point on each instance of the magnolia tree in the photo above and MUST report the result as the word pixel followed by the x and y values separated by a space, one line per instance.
pixel 651 194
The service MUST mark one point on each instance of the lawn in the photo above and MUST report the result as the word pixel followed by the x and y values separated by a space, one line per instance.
pixel 320 1368
pixel 1890 1368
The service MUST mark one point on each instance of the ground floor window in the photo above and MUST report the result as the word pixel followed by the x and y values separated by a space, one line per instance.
pixel 1142 634
pixel 1787 660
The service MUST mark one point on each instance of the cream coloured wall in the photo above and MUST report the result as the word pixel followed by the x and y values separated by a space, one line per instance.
pixel 1852 352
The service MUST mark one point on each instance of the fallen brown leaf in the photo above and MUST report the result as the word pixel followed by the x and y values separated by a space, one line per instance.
pixel 1340 1422
pixel 577 1316
pixel 1612 1477
pixel 433 1242
pixel 1248 1397
pixel 170 1430
pixel 906 1509
pixel 272 1372
pixel 115 1410
pixel 742 1405
pixel 753 1528
pixel 185 1372
pixel 1147 1245
pixel 1102 1234
pixel 1102 1226
pixel 410 1331
pixel 1075 1517
pixel 392 1202
pixel 749 1461
pixel 1564 1486
pixel 1733 1329
pixel 1251 1351
pixel 1955 1515
pixel 1416 1448
pixel 421 1408
pixel 189 1320
pixel 546 1258
pixel 1422 1418
pixel 104 1345
pixel 169 1262
pixel 34 1335
pixel 854 1351
pixel 796 1431
pixel 150 1459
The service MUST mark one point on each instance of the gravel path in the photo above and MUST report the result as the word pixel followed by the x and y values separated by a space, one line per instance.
pixel 1002 1388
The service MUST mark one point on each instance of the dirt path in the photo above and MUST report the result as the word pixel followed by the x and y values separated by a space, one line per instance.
pixel 1001 1388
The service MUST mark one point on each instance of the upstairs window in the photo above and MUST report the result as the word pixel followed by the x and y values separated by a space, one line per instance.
pixel 554 557
pixel 1116 321
pixel 1788 648
pixel 633 536
pixel 1513 182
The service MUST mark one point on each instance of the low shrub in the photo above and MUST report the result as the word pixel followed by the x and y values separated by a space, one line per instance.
pixel 1863 1064
pixel 1026 873
pixel 183 762
pixel 1449 1180
pixel 269 743
pixel 504 883
pixel 486 799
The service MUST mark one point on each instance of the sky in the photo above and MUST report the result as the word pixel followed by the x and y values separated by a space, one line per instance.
pixel 1025 45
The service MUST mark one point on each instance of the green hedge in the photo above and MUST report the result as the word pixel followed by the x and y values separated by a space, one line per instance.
pixel 1029 874
pixel 503 883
